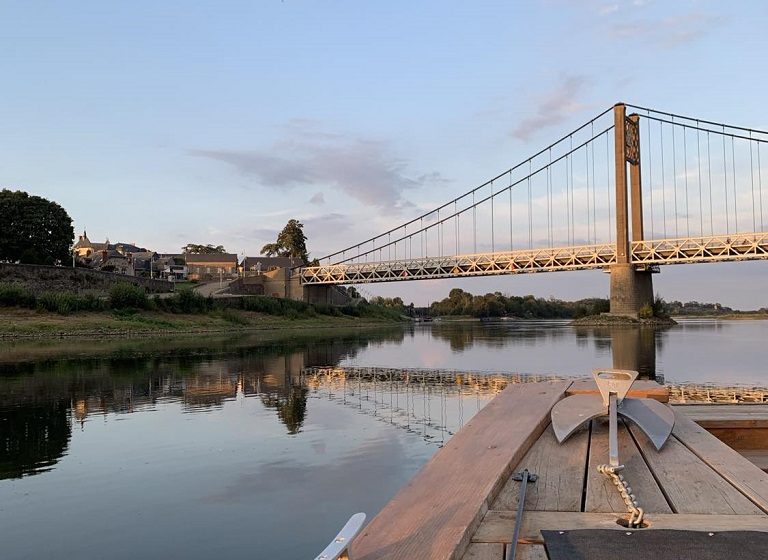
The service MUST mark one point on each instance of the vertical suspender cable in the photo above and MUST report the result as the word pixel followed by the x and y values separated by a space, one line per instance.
pixel 474 224
pixel 455 211
pixel 573 214
pixel 685 162
pixel 663 180
pixel 674 175
pixel 735 207
pixel 725 187
pixel 752 179
pixel 589 217
pixel 493 233
pixel 698 163
pixel 440 233
pixel 568 199
pixel 511 244
pixel 709 171
pixel 650 176
pixel 530 206
pixel 608 182
pixel 549 199
pixel 760 186
pixel 594 187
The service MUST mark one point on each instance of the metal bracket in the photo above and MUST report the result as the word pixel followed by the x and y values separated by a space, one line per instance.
pixel 519 477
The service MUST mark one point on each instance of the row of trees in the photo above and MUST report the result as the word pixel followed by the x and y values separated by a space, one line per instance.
pixel 496 304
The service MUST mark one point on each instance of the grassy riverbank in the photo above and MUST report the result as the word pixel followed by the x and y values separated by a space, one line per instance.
pixel 23 323
pixel 128 311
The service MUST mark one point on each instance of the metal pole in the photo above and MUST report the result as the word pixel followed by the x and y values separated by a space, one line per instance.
pixel 524 477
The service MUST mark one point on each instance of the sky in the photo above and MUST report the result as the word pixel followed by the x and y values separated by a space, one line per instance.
pixel 164 123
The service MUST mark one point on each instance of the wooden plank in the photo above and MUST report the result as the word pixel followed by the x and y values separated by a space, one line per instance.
pixel 740 438
pixel 691 485
pixel 436 513
pixel 714 411
pixel 602 495
pixel 560 471
pixel 530 552
pixel 641 388
pixel 485 551
pixel 758 457
pixel 497 526
pixel 734 468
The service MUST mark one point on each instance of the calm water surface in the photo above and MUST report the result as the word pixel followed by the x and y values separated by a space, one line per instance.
pixel 235 447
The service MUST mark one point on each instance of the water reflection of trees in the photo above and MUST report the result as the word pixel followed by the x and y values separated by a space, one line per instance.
pixel 33 437
pixel 291 408
pixel 463 335
pixel 41 398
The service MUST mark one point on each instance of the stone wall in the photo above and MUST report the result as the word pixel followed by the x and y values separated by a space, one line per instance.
pixel 39 278
pixel 281 283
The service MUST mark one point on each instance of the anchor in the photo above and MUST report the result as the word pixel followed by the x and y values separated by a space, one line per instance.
pixel 652 417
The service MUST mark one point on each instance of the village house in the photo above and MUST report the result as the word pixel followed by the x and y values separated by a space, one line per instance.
pixel 211 266
pixel 122 258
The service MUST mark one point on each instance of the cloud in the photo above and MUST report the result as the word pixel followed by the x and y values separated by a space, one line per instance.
pixel 607 9
pixel 668 32
pixel 363 169
pixel 555 107
pixel 317 198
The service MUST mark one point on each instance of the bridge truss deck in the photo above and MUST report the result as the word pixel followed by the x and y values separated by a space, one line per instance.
pixel 718 248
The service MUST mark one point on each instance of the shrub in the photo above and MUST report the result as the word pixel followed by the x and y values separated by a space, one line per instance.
pixel 127 296
pixel 14 295
pixel 646 311
pixel 292 314
pixel 262 304
pixel 232 316
pixel 189 301
pixel 660 307
pixel 65 303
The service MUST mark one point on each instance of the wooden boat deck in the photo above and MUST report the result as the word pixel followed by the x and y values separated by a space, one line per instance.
pixel 463 502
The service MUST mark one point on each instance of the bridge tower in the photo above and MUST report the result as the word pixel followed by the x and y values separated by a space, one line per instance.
pixel 631 288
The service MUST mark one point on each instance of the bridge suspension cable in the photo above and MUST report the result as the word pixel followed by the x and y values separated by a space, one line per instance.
pixel 469 200
pixel 557 220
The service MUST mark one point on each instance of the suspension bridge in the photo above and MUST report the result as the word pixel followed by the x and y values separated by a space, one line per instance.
pixel 624 193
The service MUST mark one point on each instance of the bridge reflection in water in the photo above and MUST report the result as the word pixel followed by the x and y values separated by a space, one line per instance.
pixel 57 390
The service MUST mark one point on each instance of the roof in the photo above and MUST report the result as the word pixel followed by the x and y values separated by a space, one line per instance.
pixel 193 258
pixel 267 262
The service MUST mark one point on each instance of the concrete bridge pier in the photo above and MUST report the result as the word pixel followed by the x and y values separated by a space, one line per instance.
pixel 630 289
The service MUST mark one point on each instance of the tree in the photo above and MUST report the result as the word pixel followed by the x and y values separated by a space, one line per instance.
pixel 195 249
pixel 291 242
pixel 33 230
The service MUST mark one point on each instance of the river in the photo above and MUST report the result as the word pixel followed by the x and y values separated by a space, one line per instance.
pixel 260 447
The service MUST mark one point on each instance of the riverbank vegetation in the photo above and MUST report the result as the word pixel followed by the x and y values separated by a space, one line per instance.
pixel 698 309
pixel 461 303
pixel 130 309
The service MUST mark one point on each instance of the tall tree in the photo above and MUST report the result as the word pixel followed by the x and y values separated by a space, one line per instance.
pixel 33 229
pixel 195 249
pixel 291 242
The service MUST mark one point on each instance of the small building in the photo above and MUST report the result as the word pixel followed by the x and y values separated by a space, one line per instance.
pixel 258 265
pixel 211 266
pixel 174 272
pixel 110 260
